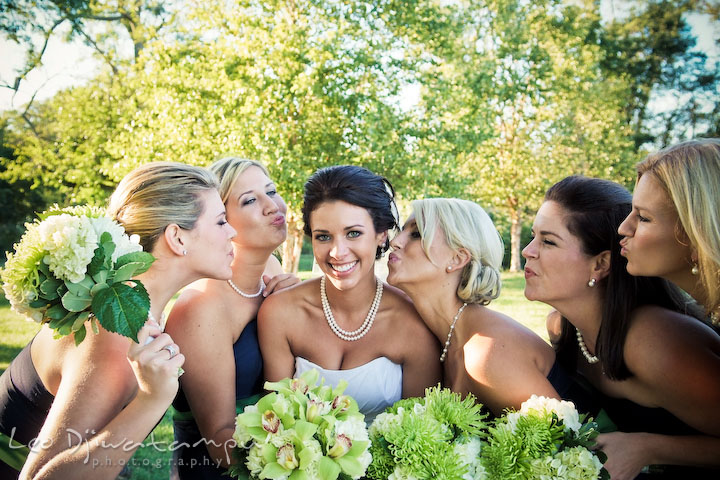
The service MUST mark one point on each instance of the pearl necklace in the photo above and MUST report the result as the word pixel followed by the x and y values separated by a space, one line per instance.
pixel 351 336
pixel 247 295
pixel 452 328
pixel 591 359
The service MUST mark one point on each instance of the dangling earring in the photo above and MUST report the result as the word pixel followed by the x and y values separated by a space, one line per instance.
pixel 695 270
pixel 592 283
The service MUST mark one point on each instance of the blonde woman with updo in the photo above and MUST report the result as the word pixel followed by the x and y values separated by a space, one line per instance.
pixel 447 258
pixel 673 230
pixel 214 322
pixel 110 390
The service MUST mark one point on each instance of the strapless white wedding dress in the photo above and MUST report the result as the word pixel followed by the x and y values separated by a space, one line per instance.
pixel 375 385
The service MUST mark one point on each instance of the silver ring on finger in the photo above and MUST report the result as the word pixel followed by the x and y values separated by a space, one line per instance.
pixel 171 350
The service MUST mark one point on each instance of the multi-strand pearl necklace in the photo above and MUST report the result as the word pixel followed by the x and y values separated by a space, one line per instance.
pixel 351 336
pixel 247 295
pixel 452 329
pixel 591 359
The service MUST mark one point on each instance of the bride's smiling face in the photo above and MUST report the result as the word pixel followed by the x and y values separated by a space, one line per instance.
pixel 344 242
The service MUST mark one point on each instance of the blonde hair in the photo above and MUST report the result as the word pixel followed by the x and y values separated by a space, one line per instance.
pixel 228 169
pixel 464 224
pixel 689 172
pixel 158 194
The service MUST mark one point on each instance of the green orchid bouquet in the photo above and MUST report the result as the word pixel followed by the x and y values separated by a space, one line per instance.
pixel 546 439
pixel 301 431
pixel 73 265
pixel 438 436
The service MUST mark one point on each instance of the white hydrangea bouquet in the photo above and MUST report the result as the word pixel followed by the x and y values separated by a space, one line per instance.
pixel 438 437
pixel 302 431
pixel 546 439
pixel 74 264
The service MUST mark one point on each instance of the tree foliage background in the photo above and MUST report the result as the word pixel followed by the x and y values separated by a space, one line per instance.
pixel 512 96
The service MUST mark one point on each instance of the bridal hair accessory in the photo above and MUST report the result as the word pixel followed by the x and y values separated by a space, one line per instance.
pixel 695 270
pixel 247 295
pixel 351 336
pixel 74 267
pixel 591 359
pixel 592 283
pixel 452 328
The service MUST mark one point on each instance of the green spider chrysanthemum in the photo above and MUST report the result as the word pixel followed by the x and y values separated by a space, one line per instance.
pixel 502 457
pixel 462 415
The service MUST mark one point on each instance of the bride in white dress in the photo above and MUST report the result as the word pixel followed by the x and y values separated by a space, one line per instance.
pixel 348 324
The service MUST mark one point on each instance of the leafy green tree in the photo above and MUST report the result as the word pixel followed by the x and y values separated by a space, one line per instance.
pixel 652 49
pixel 514 99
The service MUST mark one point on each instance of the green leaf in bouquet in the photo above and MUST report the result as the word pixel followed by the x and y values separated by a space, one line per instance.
pixel 64 326
pixel 97 287
pixel 122 309
pixel 74 303
pixel 79 322
pixel 81 288
pixel 56 312
pixel 107 244
pixel 145 259
pixel 44 268
pixel 39 303
pixel 328 469
pixel 99 263
pixel 49 288
pixel 101 276
pixel 79 335
pixel 127 271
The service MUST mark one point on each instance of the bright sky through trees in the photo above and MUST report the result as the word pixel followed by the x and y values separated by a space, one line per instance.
pixel 69 64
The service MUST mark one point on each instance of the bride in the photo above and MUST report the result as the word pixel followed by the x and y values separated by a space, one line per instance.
pixel 348 324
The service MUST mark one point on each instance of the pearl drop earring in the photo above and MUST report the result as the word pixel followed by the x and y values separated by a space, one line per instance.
pixel 592 283
pixel 695 270
pixel 184 252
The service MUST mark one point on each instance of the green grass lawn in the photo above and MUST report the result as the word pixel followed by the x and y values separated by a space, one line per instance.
pixel 152 462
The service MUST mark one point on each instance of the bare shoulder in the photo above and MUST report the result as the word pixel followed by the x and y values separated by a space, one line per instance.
pixel 289 302
pixel 495 339
pixel 660 340
pixel 101 358
pixel 399 306
pixel 199 306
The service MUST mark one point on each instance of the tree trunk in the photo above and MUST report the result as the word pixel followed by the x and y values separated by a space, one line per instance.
pixel 292 246
pixel 515 231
